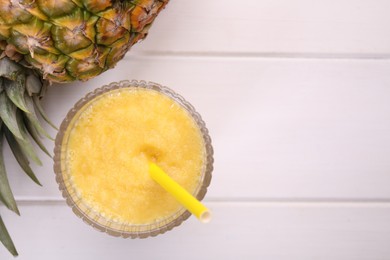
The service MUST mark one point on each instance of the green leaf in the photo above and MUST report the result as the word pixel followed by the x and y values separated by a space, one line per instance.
pixel 6 239
pixel 33 119
pixel 41 111
pixel 20 156
pixel 9 69
pixel 15 91
pixel 33 85
pixel 1 85
pixel 24 142
pixel 8 115
pixel 6 195
pixel 34 134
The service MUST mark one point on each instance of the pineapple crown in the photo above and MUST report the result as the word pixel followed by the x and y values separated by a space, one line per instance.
pixel 20 91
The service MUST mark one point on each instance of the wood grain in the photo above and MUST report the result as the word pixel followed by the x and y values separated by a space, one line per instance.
pixel 238 231
pixel 346 28
pixel 294 129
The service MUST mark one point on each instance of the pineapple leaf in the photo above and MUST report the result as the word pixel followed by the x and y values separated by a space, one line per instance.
pixel 6 195
pixel 9 69
pixel 24 142
pixel 33 85
pixel 41 111
pixel 33 119
pixel 20 157
pixel 8 115
pixel 35 136
pixel 6 239
pixel 15 91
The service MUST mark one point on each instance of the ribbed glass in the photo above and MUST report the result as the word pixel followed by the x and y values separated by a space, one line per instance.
pixel 92 217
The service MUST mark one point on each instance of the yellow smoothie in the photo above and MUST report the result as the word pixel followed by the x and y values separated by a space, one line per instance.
pixel 108 146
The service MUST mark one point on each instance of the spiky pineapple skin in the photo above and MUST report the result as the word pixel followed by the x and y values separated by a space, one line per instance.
pixel 67 40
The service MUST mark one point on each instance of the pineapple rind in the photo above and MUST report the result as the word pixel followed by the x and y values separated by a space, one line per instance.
pixel 71 28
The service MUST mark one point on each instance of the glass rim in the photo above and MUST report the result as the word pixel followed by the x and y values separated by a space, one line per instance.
pixel 152 229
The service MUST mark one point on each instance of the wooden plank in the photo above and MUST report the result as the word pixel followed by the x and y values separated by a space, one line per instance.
pixel 282 129
pixel 238 231
pixel 355 28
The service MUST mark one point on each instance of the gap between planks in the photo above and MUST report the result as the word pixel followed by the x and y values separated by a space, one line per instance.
pixel 268 55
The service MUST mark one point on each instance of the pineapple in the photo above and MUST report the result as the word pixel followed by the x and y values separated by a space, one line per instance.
pixel 44 41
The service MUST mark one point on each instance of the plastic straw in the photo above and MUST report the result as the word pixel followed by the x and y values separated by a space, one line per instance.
pixel 179 193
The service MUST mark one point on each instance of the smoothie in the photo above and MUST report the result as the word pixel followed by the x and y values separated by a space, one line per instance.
pixel 109 143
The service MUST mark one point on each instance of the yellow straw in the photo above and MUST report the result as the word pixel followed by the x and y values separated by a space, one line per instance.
pixel 179 193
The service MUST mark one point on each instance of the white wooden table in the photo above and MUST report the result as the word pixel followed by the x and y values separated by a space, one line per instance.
pixel 296 95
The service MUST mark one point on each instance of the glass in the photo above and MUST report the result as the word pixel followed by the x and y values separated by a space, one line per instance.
pixel 95 219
